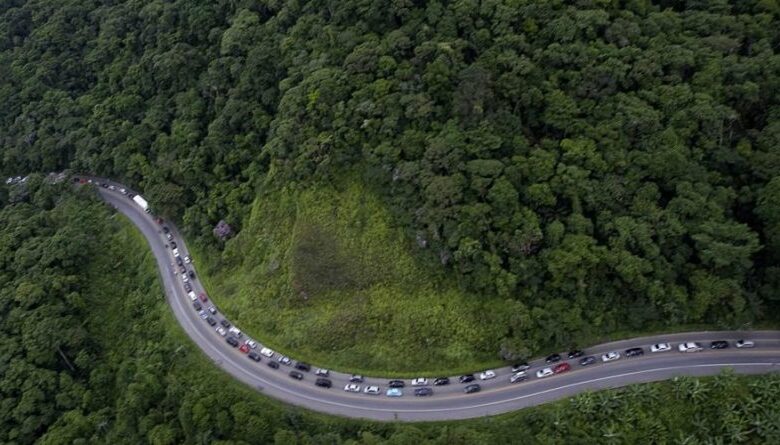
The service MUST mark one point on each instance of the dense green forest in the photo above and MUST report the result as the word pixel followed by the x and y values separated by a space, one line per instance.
pixel 91 355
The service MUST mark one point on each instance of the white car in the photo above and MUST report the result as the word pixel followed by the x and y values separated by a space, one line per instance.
pixel 487 375
pixel 689 346
pixel 351 387
pixel 745 344
pixel 518 377
pixel 221 331
pixel 192 295
pixel 420 381
pixel 185 278
pixel 235 331
pixel 661 347
pixel 610 356
pixel 203 314
pixel 175 252
pixel 544 372
pixel 251 343
pixel 372 390
pixel 267 352
pixel 187 259
pixel 322 372
pixel 283 359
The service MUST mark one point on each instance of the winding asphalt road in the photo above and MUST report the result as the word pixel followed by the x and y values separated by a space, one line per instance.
pixel 448 402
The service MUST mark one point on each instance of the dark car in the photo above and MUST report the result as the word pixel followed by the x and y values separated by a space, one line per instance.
pixel 131 195
pixel 254 356
pixel 104 185
pixel 423 392
pixel 225 324
pixel 182 270
pixel 519 367
pixel 301 366
pixel 553 358
pixel 191 274
pixel 589 360
pixel 441 381
pixel 634 352
pixel 273 365
pixel 197 305
pixel 466 378
pixel 296 375
pixel 719 344
pixel 396 384
pixel 323 383
pixel 232 341
pixel 356 378
pixel 211 321
pixel 472 388
pixel 179 261
pixel 173 244
pixel 576 353
pixel 187 287
pixel 166 229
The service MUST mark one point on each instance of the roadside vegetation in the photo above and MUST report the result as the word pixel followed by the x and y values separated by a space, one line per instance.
pixel 92 354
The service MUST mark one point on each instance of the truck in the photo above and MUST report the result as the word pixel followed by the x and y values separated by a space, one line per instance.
pixel 142 203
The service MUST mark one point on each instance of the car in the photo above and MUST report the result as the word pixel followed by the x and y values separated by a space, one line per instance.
pixel 221 331
pixel 104 185
pixel 123 191
pixel 273 365
pixel 175 252
pixel 634 352
pixel 487 375
pixel 187 287
pixel 244 348
pixel 169 237
pixel 197 306
pixel 225 323
pixel 322 372
pixel 211 321
pixel 356 378
pixel 561 368
pixel 166 229
pixel 179 262
pixel 745 344
pixel 470 389
pixel 518 377
pixel 420 381
pixel 396 384
pixel 589 360
pixel 352 387
pixel 423 392
pixel 182 269
pixel 159 220
pixel 610 356
pixel 235 331
pixel 660 347
pixel 283 359
pixel 173 244
pixel 575 354
pixel 267 352
pixel 191 274
pixel 213 310
pixel 466 378
pixel 187 259
pixel 203 314
pixel 394 392
pixel 440 381
pixel 553 358
pixel 251 343
pixel 719 344
pixel 519 367
pixel 301 366
pixel 254 356
pixel 323 383
pixel 232 341
pixel 111 187
pixel 131 195
pixel 185 278
pixel 296 375
pixel 689 346
pixel 544 372
pixel 372 390
pixel 204 298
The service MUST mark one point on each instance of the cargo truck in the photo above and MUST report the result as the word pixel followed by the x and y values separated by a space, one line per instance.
pixel 141 202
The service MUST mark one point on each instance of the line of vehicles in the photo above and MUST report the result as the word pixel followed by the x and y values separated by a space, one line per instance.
pixel 421 385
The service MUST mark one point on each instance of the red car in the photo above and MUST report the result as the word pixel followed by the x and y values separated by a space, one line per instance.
pixel 244 348
pixel 159 220
pixel 203 297
pixel 562 367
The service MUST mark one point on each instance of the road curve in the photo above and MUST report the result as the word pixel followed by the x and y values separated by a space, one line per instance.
pixel 448 402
